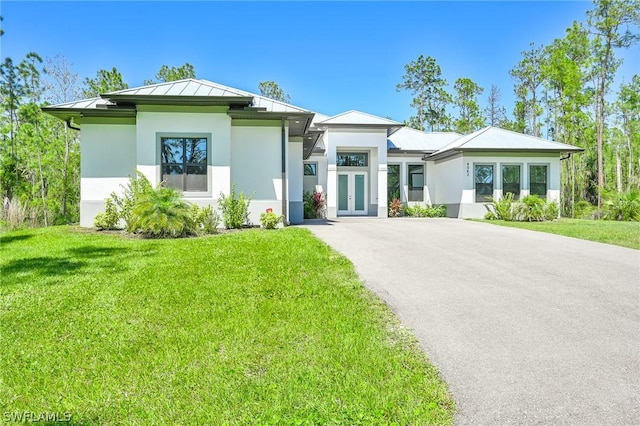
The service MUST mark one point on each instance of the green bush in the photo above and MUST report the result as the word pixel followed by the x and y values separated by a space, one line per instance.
pixel 531 209
pixel 110 218
pixel 270 220
pixel 136 189
pixel 551 211
pixel 502 208
pixel 584 210
pixel 425 211
pixel 625 206
pixel 162 213
pixel 395 208
pixel 235 209
pixel 205 219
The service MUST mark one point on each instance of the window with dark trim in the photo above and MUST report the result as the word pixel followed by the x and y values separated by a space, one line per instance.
pixel 416 182
pixel 184 163
pixel 538 180
pixel 483 174
pixel 393 182
pixel 352 159
pixel 511 180
pixel 310 169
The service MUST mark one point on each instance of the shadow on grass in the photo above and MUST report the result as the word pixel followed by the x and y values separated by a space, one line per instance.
pixel 84 259
pixel 7 239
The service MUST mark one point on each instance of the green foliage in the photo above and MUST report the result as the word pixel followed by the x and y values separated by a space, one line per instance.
pixel 272 90
pixel 105 81
pixel 531 209
pixel 466 100
pixel 162 213
pixel 314 205
pixel 425 211
pixel 423 79
pixel 551 211
pixel 15 215
pixel 110 218
pixel 205 219
pixel 584 210
pixel 136 189
pixel 624 206
pixel 395 208
pixel 167 73
pixel 502 208
pixel 270 220
pixel 234 208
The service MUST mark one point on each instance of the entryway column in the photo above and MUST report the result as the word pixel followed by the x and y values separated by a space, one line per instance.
pixel 332 191
pixel 382 190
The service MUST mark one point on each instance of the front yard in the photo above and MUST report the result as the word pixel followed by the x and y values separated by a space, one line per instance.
pixel 252 327
pixel 625 234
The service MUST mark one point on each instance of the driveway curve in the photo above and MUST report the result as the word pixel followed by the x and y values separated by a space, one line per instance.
pixel 526 327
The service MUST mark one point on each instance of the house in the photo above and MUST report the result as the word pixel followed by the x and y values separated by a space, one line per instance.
pixel 202 137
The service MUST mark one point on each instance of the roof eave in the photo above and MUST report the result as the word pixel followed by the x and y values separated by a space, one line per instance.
pixel 181 100
pixel 68 113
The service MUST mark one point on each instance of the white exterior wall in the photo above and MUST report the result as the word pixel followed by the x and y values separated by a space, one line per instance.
pixel 295 174
pixel 455 185
pixel 373 141
pixel 107 161
pixel 152 125
pixel 256 167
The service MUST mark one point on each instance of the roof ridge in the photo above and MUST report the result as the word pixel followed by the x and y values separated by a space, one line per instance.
pixel 148 85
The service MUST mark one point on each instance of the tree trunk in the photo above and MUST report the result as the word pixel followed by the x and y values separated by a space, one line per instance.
pixel 65 173
pixel 618 172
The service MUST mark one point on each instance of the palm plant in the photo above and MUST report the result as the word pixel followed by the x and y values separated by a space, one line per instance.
pixel 163 213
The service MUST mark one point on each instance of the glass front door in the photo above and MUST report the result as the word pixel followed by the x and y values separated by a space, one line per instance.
pixel 352 193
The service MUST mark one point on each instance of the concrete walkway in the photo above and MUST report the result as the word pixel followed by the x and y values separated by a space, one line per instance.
pixel 526 327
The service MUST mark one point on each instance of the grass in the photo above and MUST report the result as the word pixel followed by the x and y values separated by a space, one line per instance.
pixel 625 234
pixel 253 327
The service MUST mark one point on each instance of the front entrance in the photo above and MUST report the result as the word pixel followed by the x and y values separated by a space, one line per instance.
pixel 352 193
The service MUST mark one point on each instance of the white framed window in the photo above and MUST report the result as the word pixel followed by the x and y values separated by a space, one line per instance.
pixel 538 179
pixel 511 179
pixel 352 159
pixel 415 182
pixel 311 169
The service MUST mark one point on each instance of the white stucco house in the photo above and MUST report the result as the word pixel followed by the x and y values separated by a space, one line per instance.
pixel 201 137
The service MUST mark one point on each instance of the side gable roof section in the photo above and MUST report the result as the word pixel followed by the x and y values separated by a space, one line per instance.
pixel 497 139
pixel 407 139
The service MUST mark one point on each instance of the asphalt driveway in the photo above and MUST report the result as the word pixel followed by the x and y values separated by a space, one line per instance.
pixel 526 327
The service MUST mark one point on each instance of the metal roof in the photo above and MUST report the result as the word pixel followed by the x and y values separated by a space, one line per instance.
pixel 202 88
pixel 359 118
pixel 495 138
pixel 408 139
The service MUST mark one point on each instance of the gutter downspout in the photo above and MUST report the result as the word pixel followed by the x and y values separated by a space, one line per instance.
pixel 566 158
pixel 69 125
pixel 285 221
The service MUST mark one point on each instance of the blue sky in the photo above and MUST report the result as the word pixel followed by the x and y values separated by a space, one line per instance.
pixel 329 56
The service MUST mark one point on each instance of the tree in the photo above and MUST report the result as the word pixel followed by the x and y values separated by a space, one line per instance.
pixel 465 99
pixel 272 90
pixel 167 73
pixel 527 75
pixel 495 114
pixel 609 23
pixel 628 107
pixel 105 81
pixel 11 92
pixel 423 79
pixel 61 87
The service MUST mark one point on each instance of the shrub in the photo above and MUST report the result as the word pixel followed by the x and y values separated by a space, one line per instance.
pixel 625 206
pixel 395 208
pixel 208 220
pixel 314 205
pixel 136 189
pixel 425 211
pixel 270 220
pixel 584 210
pixel 162 213
pixel 551 211
pixel 235 209
pixel 531 209
pixel 502 208
pixel 110 218
pixel 14 214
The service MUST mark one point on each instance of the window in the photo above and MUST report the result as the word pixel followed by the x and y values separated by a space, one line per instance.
pixel 352 159
pixel 310 169
pixel 511 180
pixel 484 182
pixel 416 182
pixel 184 163
pixel 538 180
pixel 393 182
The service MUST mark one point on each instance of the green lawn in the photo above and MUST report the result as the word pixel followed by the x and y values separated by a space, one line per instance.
pixel 625 234
pixel 253 327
